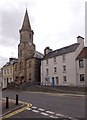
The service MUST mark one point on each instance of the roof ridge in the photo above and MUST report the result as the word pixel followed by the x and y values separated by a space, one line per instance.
pixel 65 47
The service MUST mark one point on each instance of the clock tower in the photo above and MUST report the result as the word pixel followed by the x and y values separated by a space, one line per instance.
pixel 26 47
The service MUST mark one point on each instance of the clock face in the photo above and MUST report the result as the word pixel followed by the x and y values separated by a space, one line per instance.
pixel 30 43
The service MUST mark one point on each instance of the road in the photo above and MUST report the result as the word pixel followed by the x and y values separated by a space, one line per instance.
pixel 47 105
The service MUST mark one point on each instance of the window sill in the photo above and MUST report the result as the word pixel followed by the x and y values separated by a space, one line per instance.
pixel 55 72
pixel 64 71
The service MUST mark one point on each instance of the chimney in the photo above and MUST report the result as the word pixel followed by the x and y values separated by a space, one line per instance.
pixel 47 50
pixel 80 40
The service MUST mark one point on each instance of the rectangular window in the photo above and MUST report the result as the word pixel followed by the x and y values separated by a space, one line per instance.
pixel 56 80
pixel 63 57
pixel 4 72
pixel 54 59
pixel 55 69
pixel 64 78
pixel 7 71
pixel 46 62
pixel 15 67
pixel 47 71
pixel 10 70
pixel 29 76
pixel 64 68
pixel 81 63
pixel 81 77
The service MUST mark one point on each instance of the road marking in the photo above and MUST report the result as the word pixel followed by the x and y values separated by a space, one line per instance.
pixel 43 113
pixel 28 108
pixel 41 109
pixel 53 116
pixel 36 111
pixel 60 115
pixel 50 112
pixel 14 112
pixel 34 107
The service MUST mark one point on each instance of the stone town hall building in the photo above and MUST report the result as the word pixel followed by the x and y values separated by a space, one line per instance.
pixel 27 68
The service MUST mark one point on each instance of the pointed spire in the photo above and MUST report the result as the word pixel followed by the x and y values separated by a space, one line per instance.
pixel 26 23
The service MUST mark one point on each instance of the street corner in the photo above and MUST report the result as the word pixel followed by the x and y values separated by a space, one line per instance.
pixel 13 108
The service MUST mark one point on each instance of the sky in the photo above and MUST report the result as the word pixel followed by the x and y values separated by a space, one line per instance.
pixel 56 23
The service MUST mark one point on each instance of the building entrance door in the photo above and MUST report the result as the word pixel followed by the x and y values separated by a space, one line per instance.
pixel 53 81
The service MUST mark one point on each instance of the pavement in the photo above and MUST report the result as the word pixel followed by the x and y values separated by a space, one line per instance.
pixel 12 107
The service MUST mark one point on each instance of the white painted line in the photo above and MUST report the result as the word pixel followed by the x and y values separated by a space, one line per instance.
pixel 43 113
pixel 50 112
pixel 41 109
pixel 51 116
pixel 28 108
pixel 34 107
pixel 60 115
pixel 36 111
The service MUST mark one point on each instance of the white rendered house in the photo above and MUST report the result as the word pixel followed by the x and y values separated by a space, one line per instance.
pixel 81 63
pixel 59 67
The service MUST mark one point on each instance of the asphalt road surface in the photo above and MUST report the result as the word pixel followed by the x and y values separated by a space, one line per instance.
pixel 47 105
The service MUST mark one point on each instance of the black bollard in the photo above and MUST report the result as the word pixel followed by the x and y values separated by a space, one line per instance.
pixel 7 102
pixel 16 99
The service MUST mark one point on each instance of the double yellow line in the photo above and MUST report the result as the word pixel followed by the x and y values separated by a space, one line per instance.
pixel 17 111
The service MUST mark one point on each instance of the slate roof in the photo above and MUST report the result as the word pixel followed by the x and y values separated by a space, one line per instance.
pixel 35 55
pixel 11 62
pixel 38 55
pixel 83 53
pixel 61 51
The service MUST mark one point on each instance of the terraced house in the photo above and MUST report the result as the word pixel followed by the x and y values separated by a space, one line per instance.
pixel 8 73
pixel 81 63
pixel 60 67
